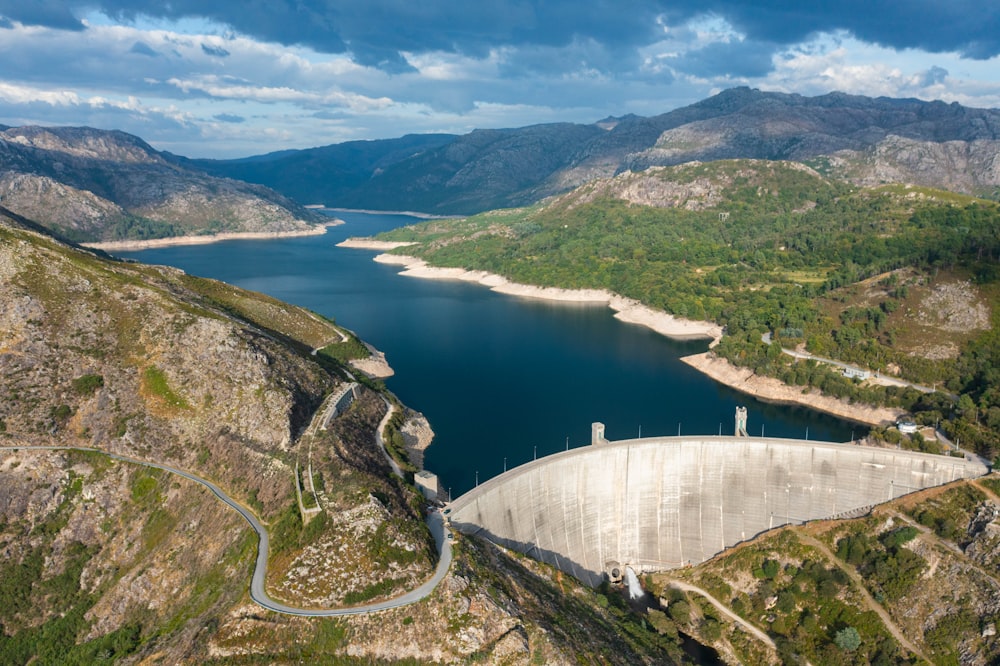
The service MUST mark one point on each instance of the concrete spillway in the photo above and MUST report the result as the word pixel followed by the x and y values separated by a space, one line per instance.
pixel 662 503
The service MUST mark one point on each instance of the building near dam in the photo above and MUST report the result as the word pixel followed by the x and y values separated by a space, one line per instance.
pixel 665 502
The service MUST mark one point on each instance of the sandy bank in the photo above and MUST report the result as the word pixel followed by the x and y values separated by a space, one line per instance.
pixel 627 310
pixel 375 366
pixel 371 244
pixel 770 389
pixel 129 245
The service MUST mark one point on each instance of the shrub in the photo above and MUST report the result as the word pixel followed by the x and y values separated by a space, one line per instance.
pixel 680 612
pixel 847 639
pixel 87 384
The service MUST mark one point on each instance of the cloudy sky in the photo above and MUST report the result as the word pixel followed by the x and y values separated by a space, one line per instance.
pixel 229 78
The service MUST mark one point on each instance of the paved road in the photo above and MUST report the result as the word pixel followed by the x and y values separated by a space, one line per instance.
pixel 257 592
pixel 878 379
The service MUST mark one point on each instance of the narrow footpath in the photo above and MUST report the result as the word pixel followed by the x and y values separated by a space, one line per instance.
pixel 257 592
pixel 856 579
pixel 722 608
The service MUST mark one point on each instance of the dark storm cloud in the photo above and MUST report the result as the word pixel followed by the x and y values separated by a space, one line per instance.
pixel 51 13
pixel 969 27
pixel 378 32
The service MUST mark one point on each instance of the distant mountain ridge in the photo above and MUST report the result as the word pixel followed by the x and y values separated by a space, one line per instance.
pixel 94 185
pixel 97 185
pixel 867 140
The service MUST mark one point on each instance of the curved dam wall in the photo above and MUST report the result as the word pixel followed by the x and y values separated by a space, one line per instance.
pixel 662 503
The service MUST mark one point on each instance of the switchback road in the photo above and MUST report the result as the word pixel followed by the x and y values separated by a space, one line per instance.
pixel 257 592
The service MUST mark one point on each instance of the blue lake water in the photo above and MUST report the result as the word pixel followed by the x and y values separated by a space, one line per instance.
pixel 501 379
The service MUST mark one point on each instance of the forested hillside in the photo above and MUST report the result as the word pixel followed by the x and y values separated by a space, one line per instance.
pixel 774 247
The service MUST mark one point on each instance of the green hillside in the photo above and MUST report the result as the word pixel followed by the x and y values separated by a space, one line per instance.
pixel 770 247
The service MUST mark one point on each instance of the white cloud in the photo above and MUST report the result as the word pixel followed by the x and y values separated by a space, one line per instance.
pixel 839 62
pixel 170 81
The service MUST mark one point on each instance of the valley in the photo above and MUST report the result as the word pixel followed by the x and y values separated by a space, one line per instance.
pixel 773 226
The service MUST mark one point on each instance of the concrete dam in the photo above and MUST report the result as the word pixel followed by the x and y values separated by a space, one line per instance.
pixel 665 502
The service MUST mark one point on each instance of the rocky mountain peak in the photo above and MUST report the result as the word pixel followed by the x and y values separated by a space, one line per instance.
pixel 85 142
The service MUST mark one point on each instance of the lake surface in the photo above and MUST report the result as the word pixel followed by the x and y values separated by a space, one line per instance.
pixel 501 379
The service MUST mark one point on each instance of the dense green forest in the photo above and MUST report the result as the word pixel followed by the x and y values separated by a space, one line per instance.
pixel 772 247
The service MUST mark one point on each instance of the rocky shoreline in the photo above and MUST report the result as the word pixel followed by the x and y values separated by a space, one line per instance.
pixel 369 244
pixel 627 309
pixel 375 366
pixel 417 436
pixel 131 245
pixel 774 390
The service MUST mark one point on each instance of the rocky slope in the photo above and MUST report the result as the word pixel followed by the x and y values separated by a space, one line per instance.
pixel 93 185
pixel 107 560
pixel 867 140
pixel 915 580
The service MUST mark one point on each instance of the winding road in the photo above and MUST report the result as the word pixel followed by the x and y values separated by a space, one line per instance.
pixel 766 338
pixel 257 592
pixel 390 410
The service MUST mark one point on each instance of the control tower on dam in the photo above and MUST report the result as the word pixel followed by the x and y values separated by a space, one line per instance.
pixel 665 502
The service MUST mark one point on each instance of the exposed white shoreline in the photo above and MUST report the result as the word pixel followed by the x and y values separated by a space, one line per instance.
pixel 627 309
pixel 771 389
pixel 127 245
pixel 408 213
pixel 370 244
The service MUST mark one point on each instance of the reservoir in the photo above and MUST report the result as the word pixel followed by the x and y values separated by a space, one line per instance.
pixel 501 379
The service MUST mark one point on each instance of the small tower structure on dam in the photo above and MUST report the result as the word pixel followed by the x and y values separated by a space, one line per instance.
pixel 427 483
pixel 741 422
pixel 597 434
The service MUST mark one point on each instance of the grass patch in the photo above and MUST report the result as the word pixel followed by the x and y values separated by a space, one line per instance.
pixel 154 382
pixel 351 350
pixel 379 589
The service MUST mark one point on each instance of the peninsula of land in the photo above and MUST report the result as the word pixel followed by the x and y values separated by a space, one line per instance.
pixel 131 245
pixel 627 309
pixel 770 389
pixel 631 311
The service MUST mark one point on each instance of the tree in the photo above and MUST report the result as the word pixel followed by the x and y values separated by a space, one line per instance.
pixel 848 639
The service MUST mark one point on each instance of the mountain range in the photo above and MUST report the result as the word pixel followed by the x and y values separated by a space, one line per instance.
pixel 864 140
pixel 94 185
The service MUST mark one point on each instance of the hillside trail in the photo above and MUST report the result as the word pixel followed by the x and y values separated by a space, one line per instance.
pixel 869 600
pixel 722 608
pixel 986 491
